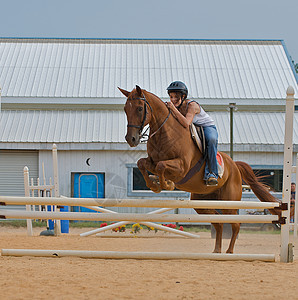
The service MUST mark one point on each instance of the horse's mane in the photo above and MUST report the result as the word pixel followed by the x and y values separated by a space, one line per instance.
pixel 156 97
pixel 161 102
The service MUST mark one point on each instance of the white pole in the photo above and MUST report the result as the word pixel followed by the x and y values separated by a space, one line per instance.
pixel 287 172
pixel 137 255
pixel 27 194
pixel 56 186
pixel 154 203
pixel 148 224
pixel 296 201
pixel 15 214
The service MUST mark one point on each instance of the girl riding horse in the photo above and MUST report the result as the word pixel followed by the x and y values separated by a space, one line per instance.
pixel 187 112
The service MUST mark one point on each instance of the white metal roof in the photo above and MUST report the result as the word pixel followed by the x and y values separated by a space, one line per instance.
pixel 212 69
pixel 107 126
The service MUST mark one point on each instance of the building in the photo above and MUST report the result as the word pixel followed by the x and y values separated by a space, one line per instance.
pixel 64 91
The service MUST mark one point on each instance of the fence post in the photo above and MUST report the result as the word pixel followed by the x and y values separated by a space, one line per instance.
pixel 287 173
pixel 56 186
pixel 27 194
pixel 296 201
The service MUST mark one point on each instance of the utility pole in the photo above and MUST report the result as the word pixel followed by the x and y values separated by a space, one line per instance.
pixel 232 107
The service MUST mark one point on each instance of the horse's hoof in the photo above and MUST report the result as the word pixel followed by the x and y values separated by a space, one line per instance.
pixel 171 185
pixel 156 190
pixel 216 251
pixel 154 178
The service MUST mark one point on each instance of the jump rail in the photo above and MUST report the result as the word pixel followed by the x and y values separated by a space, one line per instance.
pixel 14 214
pixel 10 200
pixel 137 255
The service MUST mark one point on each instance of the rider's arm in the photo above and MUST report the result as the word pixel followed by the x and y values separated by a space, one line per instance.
pixel 193 109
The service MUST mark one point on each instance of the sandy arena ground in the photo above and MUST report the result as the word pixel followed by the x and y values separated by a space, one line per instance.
pixel 77 278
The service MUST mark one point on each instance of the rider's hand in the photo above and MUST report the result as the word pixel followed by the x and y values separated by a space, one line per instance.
pixel 169 104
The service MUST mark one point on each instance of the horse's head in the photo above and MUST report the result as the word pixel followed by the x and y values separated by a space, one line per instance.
pixel 138 112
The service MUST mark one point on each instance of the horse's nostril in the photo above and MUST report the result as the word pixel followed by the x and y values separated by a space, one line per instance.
pixel 133 139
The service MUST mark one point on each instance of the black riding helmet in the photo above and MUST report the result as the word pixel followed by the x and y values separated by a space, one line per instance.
pixel 178 86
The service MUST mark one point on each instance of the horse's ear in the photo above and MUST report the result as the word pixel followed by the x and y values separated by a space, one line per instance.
pixel 139 91
pixel 124 92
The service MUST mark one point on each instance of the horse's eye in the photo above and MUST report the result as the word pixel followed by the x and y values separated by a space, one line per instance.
pixel 140 108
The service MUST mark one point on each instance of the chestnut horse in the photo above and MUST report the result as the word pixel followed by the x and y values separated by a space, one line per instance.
pixel 172 154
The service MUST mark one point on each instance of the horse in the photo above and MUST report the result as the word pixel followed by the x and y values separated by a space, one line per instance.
pixel 175 160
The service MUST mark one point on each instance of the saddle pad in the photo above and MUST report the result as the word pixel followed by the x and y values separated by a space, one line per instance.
pixel 220 164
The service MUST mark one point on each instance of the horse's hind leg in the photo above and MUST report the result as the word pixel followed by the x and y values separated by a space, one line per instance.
pixel 232 191
pixel 218 241
pixel 235 230
pixel 218 228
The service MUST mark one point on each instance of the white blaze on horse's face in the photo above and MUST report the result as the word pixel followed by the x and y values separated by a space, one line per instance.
pixel 134 110
pixel 136 113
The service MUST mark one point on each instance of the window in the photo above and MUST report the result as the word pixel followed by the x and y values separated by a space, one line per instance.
pixel 136 186
pixel 272 177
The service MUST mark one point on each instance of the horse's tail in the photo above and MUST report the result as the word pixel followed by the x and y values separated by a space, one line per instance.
pixel 259 189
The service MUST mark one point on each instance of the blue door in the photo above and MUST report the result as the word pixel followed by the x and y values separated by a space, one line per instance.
pixel 88 185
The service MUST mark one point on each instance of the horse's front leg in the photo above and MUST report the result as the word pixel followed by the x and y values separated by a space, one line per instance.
pixel 145 165
pixel 173 167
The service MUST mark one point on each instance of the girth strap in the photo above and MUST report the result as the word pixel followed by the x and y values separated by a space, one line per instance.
pixel 196 168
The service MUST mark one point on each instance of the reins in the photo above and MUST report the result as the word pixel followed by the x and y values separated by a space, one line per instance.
pixel 163 123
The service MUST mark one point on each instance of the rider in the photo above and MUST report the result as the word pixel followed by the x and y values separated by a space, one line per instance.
pixel 189 111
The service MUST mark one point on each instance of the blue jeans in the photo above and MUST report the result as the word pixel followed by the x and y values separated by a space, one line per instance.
pixel 211 137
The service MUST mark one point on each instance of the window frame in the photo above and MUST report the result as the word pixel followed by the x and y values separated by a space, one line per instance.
pixel 268 167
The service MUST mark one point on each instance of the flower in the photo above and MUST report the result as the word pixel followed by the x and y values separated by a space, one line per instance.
pixel 136 227
pixel 103 225
pixel 181 228
pixel 171 225
pixel 150 228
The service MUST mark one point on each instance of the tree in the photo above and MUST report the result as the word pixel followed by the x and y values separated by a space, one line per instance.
pixel 295 66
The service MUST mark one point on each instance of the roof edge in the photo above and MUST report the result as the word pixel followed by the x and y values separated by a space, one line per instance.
pixel 133 40
pixel 290 60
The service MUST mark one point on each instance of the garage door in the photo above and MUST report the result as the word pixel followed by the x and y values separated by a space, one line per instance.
pixel 12 163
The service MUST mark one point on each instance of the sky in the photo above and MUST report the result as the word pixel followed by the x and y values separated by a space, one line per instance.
pixel 153 19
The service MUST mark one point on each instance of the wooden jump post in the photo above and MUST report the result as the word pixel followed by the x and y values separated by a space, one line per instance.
pixel 42 190
pixel 287 174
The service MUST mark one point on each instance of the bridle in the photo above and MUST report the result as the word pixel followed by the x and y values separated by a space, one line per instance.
pixel 141 127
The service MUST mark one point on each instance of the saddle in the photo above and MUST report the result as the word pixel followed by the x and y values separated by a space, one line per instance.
pixel 198 136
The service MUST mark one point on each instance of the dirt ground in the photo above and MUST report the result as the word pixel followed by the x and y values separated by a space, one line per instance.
pixel 78 278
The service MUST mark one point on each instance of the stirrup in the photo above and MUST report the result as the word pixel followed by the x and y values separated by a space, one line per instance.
pixel 211 181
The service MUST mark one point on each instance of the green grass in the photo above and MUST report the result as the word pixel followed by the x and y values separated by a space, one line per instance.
pixel 21 223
